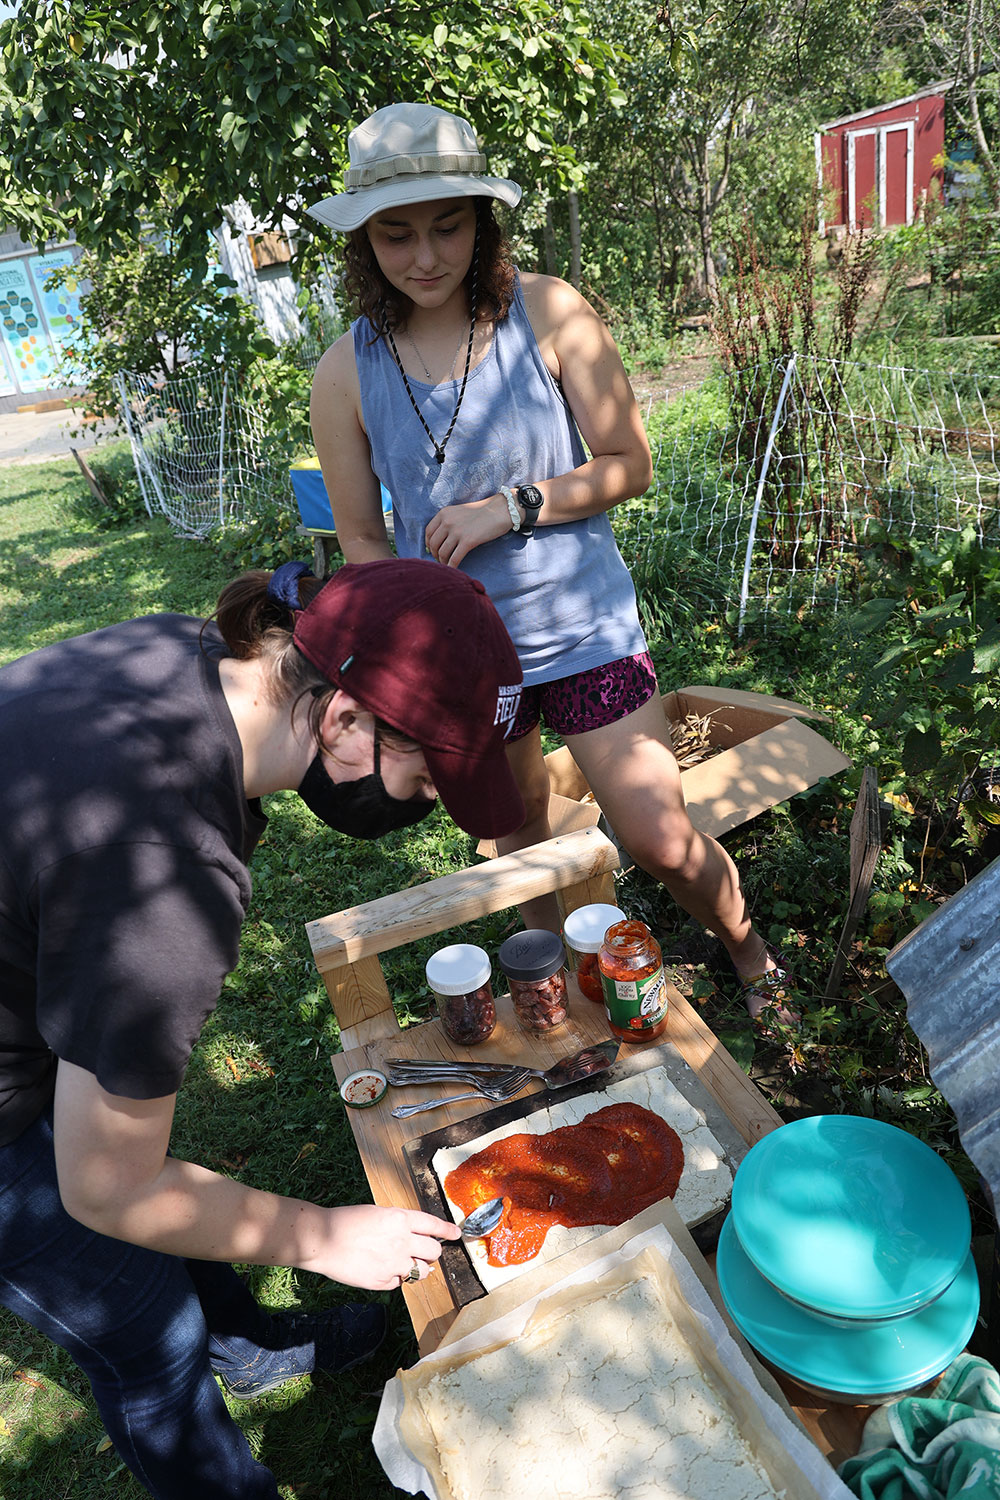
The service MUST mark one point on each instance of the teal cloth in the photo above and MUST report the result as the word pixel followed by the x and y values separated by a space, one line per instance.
pixel 935 1447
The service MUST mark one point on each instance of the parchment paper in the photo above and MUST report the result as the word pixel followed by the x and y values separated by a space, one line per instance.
pixel 796 1467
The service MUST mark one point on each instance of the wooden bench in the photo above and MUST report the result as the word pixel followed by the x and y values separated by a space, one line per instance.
pixel 325 544
pixel 579 867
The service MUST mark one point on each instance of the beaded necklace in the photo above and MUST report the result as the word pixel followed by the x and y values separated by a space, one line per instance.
pixel 439 447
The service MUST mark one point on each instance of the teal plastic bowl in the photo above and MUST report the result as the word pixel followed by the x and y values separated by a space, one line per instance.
pixel 865 1365
pixel 850 1217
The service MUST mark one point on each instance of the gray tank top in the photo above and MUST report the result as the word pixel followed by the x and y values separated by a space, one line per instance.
pixel 564 593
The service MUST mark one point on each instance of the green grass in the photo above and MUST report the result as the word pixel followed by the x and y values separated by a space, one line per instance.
pixel 258 1101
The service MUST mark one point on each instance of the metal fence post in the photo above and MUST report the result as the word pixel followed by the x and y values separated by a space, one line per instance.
pixel 222 448
pixel 782 395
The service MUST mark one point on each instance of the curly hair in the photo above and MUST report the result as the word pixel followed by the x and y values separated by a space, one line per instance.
pixel 376 299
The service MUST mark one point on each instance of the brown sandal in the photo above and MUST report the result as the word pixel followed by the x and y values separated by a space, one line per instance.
pixel 766 996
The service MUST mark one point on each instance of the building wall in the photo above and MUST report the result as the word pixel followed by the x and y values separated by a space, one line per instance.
pixel 879 165
pixel 35 323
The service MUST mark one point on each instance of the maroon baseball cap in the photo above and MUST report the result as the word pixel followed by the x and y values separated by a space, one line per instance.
pixel 422 647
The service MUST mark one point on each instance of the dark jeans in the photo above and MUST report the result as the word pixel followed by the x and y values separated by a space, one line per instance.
pixel 146 1329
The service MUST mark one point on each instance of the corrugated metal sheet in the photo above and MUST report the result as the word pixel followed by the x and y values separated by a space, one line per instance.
pixel 949 971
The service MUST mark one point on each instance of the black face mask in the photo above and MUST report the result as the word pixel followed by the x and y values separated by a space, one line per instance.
pixel 362 809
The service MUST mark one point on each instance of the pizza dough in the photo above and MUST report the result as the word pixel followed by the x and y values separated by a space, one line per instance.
pixel 705 1184
pixel 606 1398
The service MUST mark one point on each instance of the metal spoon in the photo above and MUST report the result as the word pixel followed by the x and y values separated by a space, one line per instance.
pixel 482 1220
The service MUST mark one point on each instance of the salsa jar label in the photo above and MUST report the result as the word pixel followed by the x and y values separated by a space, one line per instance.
pixel 635 1004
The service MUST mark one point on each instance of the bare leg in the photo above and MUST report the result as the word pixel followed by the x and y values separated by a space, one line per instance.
pixel 528 764
pixel 634 776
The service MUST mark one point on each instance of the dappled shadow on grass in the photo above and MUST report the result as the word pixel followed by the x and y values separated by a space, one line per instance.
pixel 313 1433
pixel 56 584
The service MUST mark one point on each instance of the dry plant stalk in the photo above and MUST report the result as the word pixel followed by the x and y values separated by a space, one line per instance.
pixel 691 738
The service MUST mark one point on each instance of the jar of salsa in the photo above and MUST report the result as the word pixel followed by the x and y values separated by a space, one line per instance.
pixel 583 934
pixel 635 993
pixel 460 978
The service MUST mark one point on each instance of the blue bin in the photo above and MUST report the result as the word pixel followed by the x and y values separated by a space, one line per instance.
pixel 313 501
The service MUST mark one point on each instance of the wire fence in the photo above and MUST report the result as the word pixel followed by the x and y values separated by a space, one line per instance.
pixel 781 477
pixel 784 475
pixel 200 450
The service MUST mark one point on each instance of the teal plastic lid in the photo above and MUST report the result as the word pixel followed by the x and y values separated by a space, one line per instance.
pixel 868 1360
pixel 851 1216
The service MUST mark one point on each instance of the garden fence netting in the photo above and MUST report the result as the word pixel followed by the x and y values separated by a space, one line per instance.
pixel 780 477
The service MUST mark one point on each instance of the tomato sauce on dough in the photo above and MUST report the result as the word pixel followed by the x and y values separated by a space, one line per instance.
pixel 608 1168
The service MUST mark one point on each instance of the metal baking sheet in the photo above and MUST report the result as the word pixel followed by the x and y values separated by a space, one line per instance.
pixel 456 1265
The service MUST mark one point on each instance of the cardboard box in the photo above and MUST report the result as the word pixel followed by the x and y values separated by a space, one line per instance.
pixel 768 754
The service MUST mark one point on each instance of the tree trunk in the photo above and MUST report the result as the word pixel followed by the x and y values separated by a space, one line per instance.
pixel 972 48
pixel 549 239
pixel 575 256
pixel 706 253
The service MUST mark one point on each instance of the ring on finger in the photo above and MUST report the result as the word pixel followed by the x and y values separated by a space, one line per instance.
pixel 413 1274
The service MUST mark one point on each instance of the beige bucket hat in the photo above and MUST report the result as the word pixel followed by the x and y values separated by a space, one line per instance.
pixel 410 153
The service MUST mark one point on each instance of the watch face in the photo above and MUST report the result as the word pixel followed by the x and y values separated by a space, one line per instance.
pixel 530 497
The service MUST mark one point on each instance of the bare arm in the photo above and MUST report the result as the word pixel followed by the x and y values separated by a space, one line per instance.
pixel 115 1177
pixel 580 353
pixel 345 457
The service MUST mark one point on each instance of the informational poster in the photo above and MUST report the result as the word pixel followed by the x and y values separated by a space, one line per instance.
pixel 60 304
pixel 31 351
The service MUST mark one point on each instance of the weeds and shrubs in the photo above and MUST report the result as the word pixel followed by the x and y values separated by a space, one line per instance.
pixel 147 314
pixel 909 679
pixel 953 258
pixel 123 502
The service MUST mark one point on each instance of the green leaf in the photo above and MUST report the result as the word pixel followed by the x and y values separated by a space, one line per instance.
pixel 940 610
pixel 892 656
pixel 985 810
pixel 958 671
pixel 739 1044
pixel 921 750
pixel 874 615
pixel 986 653
pixel 440 34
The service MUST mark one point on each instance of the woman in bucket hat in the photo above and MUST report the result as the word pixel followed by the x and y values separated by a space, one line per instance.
pixel 134 758
pixel 493 406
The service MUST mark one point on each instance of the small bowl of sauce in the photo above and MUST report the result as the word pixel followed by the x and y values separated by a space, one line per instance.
pixel 363 1089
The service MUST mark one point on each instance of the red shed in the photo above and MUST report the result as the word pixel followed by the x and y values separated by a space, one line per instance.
pixel 875 167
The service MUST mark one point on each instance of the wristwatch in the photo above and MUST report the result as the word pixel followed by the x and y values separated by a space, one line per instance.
pixel 531 500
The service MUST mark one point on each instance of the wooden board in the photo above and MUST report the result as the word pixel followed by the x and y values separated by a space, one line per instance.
pixel 464 1284
pixel 381 1139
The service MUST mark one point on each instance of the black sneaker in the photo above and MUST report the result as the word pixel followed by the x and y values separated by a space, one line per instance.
pixel 303 1343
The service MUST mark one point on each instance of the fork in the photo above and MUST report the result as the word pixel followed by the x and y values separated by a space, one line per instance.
pixel 479 1079
pixel 497 1092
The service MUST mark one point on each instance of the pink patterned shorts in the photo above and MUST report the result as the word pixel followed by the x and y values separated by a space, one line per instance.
pixel 587 700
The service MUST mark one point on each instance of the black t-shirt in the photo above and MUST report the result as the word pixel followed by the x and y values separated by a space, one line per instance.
pixel 124 839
